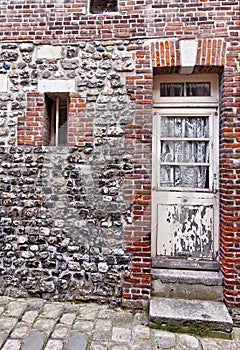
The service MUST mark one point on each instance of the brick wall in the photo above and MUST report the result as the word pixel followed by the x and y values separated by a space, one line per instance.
pixel 69 22
pixel 144 34
pixel 229 174
pixel 137 236
pixel 80 127
pixel 31 128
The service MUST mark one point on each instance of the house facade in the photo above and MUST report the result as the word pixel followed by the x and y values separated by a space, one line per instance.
pixel 119 146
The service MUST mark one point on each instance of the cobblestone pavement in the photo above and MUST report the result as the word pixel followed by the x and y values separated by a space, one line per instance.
pixel 35 324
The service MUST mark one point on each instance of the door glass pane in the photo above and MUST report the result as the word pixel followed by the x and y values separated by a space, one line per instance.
pixel 184 126
pixel 198 89
pixel 184 141
pixel 184 176
pixel 185 151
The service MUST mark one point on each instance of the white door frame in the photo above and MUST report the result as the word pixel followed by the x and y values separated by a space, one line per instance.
pixel 182 106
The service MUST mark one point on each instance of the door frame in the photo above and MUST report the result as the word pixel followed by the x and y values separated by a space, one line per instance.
pixel 176 106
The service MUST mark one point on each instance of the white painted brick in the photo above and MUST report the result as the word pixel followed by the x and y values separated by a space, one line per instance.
pixel 3 83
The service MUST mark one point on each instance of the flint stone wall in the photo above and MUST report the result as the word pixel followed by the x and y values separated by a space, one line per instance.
pixel 63 209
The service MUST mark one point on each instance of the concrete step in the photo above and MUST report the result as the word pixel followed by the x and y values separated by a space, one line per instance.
pixel 207 315
pixel 187 284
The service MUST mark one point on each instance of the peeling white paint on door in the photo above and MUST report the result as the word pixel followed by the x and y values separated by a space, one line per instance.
pixel 185 230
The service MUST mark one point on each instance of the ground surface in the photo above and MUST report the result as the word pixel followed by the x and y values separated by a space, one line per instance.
pixel 34 324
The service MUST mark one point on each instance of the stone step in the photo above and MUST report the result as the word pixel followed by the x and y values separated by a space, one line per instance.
pixel 208 278
pixel 187 284
pixel 207 315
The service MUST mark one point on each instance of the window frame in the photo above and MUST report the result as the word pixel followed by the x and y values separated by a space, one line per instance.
pixel 185 101
pixel 204 112
pixel 195 105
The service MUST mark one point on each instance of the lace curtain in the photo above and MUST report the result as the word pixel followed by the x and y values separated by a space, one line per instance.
pixel 180 144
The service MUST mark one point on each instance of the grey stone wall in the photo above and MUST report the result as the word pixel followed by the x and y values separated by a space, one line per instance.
pixel 61 224
pixel 63 209
pixel 98 69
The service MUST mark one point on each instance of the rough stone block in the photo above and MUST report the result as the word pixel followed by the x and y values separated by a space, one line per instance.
pixel 28 47
pixel 208 278
pixel 187 291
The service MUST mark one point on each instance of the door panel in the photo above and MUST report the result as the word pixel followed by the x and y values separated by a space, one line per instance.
pixel 185 227
pixel 185 201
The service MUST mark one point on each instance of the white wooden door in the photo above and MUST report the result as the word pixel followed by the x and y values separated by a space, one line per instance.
pixel 185 183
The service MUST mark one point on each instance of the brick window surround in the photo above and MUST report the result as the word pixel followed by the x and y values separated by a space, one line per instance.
pixel 33 127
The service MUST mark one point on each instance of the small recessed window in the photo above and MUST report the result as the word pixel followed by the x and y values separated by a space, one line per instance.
pixel 57 116
pixel 102 6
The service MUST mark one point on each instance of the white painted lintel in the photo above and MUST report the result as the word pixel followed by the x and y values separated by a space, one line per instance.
pixel 188 55
pixel 57 85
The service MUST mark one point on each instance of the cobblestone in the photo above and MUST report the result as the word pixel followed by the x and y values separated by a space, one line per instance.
pixel 141 332
pixel 165 340
pixel 3 337
pixel 188 342
pixel 12 344
pixel 34 341
pixel 60 332
pixel 77 341
pixel 68 318
pixel 54 344
pixel 121 335
pixel 21 330
pixel 41 325
pixel 30 316
pixel 7 324
pixel 52 311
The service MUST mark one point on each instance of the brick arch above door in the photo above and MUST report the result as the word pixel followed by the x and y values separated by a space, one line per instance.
pixel 210 55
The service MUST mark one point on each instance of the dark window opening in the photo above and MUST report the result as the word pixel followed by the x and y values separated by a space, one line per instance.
pixel 102 6
pixel 188 89
pixel 198 89
pixel 171 89
pixel 57 118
